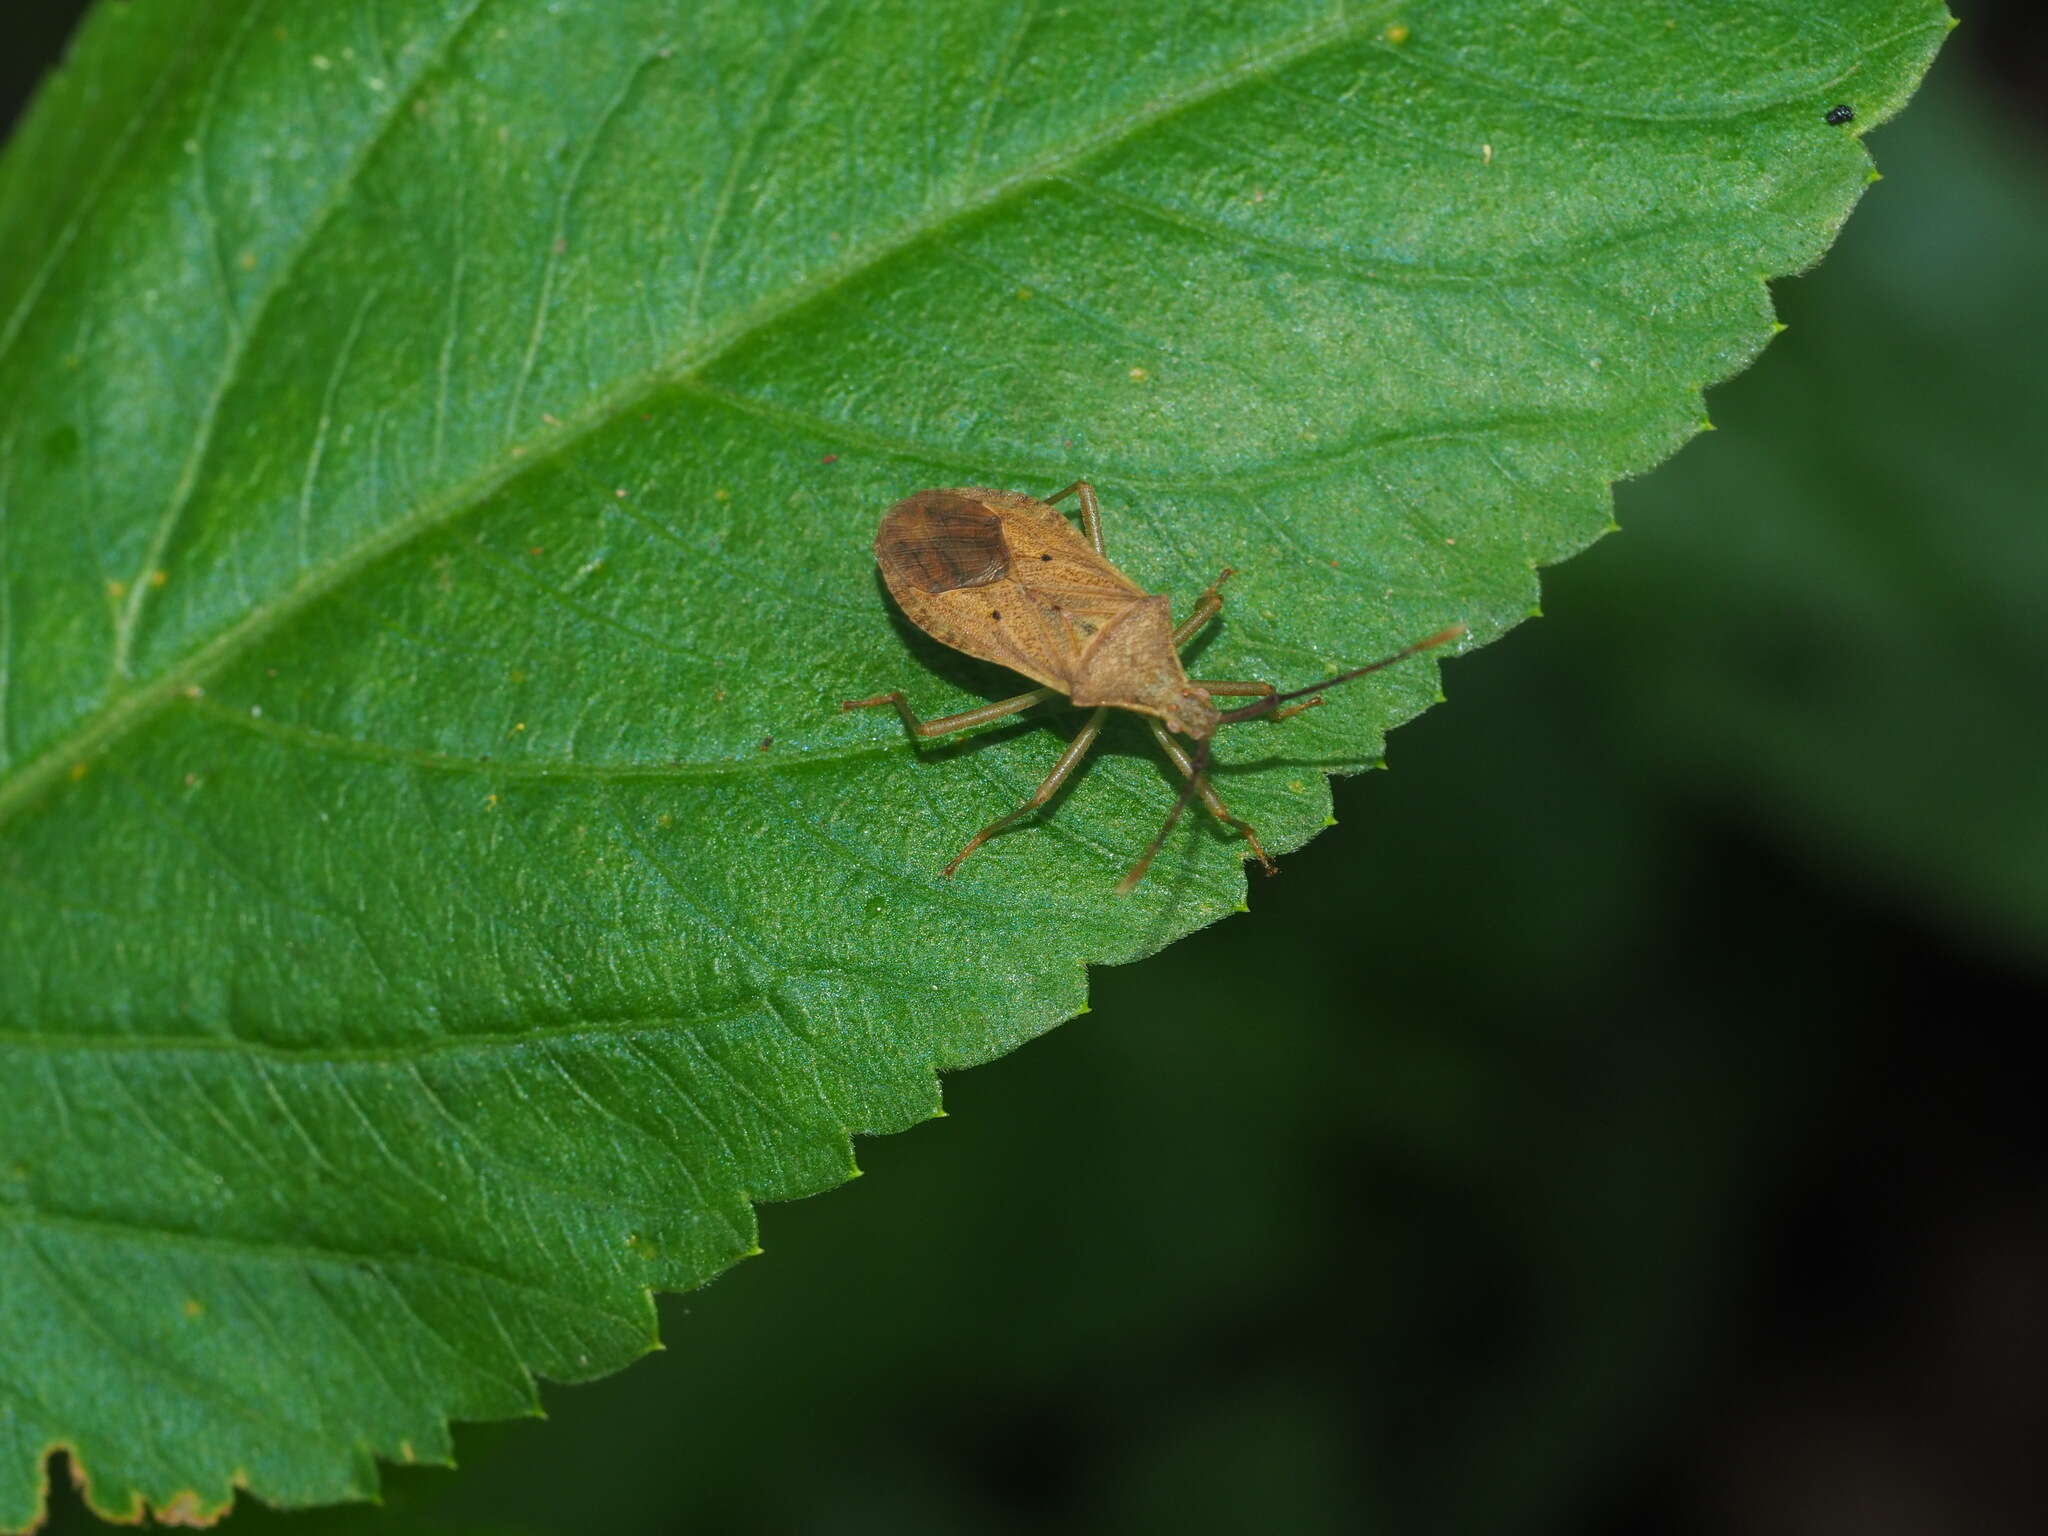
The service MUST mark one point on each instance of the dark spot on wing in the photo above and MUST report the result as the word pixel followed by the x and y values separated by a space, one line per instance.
pixel 938 541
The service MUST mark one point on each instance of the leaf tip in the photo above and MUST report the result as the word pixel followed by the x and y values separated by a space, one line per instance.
pixel 188 1507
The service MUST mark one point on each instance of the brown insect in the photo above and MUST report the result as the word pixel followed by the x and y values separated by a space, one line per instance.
pixel 1004 577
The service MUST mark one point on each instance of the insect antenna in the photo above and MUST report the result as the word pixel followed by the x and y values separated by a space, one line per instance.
pixel 1198 775
pixel 1273 701
pixel 1188 790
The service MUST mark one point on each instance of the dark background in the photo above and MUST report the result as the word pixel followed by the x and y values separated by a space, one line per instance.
pixel 1619 1126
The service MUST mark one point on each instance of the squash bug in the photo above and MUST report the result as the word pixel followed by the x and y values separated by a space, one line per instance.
pixel 1005 577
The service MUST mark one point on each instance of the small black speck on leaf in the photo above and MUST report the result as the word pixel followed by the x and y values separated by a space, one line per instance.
pixel 1840 115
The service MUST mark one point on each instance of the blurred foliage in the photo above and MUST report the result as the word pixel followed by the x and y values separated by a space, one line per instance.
pixel 1428 1198
pixel 1833 620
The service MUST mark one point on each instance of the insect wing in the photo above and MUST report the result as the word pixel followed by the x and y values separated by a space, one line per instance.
pixel 941 541
pixel 1002 577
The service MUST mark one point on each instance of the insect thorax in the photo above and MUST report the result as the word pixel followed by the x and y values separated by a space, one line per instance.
pixel 1132 664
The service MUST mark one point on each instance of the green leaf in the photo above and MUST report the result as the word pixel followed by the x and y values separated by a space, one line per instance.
pixel 441 446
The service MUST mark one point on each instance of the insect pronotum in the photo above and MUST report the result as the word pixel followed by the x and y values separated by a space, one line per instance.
pixel 1004 577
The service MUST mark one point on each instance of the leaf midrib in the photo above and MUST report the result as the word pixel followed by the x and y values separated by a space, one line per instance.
pixel 131 710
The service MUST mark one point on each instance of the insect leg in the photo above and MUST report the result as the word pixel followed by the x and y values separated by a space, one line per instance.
pixel 1091 513
pixel 1230 690
pixel 1069 760
pixel 945 725
pixel 1207 606
pixel 1206 792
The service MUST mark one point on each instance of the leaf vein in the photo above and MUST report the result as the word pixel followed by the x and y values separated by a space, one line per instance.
pixel 232 356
